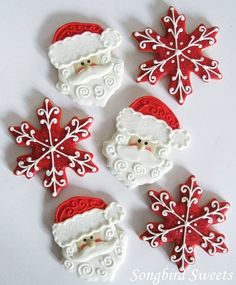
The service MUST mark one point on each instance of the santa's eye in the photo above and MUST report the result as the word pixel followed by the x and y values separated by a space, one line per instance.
pixel 91 237
pixel 146 143
pixel 139 140
pixel 88 61
pixel 82 63
pixel 85 240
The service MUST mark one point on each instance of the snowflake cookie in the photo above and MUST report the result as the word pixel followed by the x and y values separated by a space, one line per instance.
pixel 147 131
pixel 88 72
pixel 186 224
pixel 177 54
pixel 91 243
pixel 53 147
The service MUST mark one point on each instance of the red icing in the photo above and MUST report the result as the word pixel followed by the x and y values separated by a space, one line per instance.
pixel 75 28
pixel 77 205
pixel 149 105
pixel 53 144
pixel 176 214
pixel 177 54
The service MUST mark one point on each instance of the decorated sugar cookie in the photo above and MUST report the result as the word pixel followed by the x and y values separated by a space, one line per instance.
pixel 177 54
pixel 185 223
pixel 54 148
pixel 88 72
pixel 138 152
pixel 91 243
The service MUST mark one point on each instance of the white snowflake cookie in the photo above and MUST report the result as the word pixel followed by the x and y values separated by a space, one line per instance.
pixel 138 152
pixel 91 243
pixel 87 70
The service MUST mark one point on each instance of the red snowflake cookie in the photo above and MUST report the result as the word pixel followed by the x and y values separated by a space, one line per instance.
pixel 177 54
pixel 53 147
pixel 185 223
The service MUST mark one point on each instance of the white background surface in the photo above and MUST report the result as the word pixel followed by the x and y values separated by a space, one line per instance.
pixel 27 252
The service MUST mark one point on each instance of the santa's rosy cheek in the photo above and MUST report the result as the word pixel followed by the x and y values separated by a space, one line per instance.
pixel 148 148
pixel 79 69
pixel 133 144
pixel 82 246
pixel 98 240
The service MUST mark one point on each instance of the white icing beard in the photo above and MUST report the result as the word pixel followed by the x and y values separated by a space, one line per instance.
pixel 134 167
pixel 99 262
pixel 93 85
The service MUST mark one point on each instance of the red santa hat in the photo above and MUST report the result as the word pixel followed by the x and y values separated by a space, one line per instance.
pixel 82 216
pixel 76 41
pixel 149 118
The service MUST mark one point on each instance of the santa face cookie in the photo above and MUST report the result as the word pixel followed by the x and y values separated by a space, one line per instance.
pixel 138 152
pixel 88 72
pixel 91 243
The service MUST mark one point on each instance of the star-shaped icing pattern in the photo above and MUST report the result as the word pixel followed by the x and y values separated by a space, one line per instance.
pixel 177 54
pixel 53 148
pixel 185 223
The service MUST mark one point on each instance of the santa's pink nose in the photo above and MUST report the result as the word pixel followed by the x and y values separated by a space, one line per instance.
pixel 91 243
pixel 141 146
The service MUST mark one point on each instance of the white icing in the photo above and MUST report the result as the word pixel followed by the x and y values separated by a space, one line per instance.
pixel 100 261
pixel 179 139
pixel 176 54
pixel 104 265
pixel 133 173
pixel 186 224
pixel 93 86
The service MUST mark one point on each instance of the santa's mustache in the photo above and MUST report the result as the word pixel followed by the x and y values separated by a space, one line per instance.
pixel 90 72
pixel 133 154
pixel 89 253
